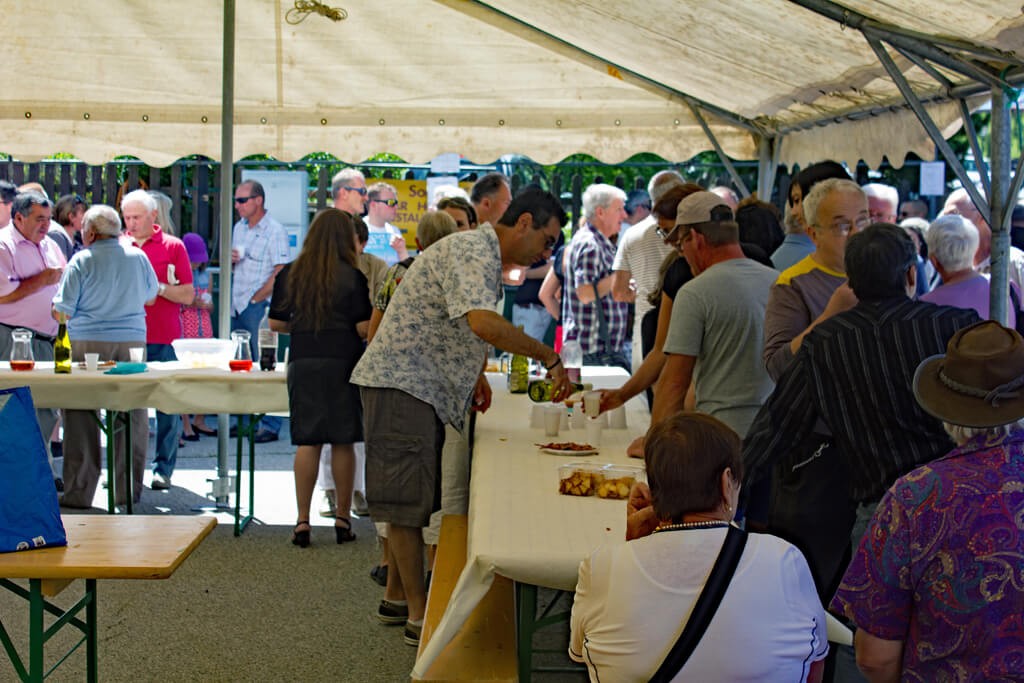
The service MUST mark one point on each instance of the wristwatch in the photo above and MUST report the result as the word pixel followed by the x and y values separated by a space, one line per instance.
pixel 161 288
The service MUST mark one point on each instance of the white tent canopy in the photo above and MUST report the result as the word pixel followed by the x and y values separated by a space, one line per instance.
pixel 544 78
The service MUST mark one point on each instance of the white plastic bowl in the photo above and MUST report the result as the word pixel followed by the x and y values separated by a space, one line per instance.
pixel 203 353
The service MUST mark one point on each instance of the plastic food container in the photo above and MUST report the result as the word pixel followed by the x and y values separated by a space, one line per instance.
pixel 579 479
pixel 617 480
pixel 203 353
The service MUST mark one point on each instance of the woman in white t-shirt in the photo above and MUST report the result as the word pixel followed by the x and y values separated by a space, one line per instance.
pixel 633 598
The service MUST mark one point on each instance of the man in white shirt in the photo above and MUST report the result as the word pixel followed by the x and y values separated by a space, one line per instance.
pixel 386 240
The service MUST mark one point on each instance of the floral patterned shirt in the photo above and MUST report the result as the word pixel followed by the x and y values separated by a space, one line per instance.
pixel 424 345
pixel 941 566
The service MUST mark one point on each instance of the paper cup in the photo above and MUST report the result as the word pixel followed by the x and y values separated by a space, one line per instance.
pixel 552 418
pixel 137 353
pixel 92 362
pixel 594 427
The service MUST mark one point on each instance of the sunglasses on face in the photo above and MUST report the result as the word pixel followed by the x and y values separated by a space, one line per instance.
pixel 243 200
pixel 361 190
pixel 388 202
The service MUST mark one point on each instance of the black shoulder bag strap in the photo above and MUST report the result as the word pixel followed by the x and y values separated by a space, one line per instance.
pixel 705 607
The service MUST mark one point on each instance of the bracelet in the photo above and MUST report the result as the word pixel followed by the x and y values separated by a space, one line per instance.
pixel 553 365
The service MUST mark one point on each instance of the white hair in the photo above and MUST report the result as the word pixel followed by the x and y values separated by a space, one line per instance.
pixel 961 434
pixel 821 190
pixel 102 220
pixel 343 178
pixel 886 192
pixel 139 197
pixel 600 195
pixel 661 182
pixel 952 240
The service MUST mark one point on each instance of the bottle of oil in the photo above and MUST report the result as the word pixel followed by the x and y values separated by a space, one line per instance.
pixel 62 350
pixel 540 390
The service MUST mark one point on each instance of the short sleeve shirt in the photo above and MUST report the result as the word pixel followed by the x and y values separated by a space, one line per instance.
pixel 590 257
pixel 424 345
pixel 266 247
pixel 939 566
pixel 163 318
pixel 640 253
pixel 20 259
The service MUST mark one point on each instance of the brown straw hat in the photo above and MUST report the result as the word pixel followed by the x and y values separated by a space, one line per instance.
pixel 979 382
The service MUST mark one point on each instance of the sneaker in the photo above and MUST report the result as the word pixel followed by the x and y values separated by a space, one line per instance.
pixel 359 506
pixel 380 574
pixel 412 633
pixel 329 508
pixel 392 614
pixel 160 482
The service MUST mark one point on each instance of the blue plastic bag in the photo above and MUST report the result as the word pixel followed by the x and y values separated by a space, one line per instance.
pixel 29 511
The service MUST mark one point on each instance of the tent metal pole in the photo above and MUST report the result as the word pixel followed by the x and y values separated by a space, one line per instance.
pixel 719 151
pixel 227 155
pixel 928 124
pixel 767 163
pixel 999 287
pixel 979 158
pixel 922 43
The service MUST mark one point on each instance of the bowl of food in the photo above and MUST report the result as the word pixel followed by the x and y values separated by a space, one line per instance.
pixel 203 353
pixel 579 479
pixel 617 480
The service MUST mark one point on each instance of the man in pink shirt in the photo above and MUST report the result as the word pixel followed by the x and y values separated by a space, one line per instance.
pixel 163 318
pixel 30 268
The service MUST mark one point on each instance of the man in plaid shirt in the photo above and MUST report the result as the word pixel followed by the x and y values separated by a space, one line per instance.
pixel 590 314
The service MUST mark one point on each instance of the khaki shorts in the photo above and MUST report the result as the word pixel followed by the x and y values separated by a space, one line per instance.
pixel 404 439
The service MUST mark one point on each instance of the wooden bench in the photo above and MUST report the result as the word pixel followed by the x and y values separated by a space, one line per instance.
pixel 485 647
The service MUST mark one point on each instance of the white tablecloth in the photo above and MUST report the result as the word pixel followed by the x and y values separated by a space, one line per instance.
pixel 519 525
pixel 169 387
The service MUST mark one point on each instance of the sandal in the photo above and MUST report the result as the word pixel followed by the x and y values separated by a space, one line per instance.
pixel 204 431
pixel 343 534
pixel 300 537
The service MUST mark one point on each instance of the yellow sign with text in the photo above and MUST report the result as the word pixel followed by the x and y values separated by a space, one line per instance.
pixel 412 204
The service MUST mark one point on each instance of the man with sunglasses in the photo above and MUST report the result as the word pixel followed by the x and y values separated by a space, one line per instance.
pixel 386 240
pixel 259 249
pixel 348 190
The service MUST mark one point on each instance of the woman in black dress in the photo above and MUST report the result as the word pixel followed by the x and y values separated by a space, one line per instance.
pixel 322 300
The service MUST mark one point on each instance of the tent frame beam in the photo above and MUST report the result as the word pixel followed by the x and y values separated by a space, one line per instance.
pixel 722 156
pixel 926 121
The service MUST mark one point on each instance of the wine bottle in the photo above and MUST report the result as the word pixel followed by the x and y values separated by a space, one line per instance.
pixel 62 350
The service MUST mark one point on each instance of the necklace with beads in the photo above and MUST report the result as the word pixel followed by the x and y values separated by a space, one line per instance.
pixel 706 524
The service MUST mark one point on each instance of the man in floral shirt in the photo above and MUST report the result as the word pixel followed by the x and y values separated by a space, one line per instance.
pixel 423 370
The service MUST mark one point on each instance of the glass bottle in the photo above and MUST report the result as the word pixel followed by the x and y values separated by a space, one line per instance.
pixel 267 340
pixel 62 350
pixel 241 359
pixel 22 357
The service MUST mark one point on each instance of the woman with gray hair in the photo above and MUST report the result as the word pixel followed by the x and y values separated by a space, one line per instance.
pixel 952 241
pixel 103 294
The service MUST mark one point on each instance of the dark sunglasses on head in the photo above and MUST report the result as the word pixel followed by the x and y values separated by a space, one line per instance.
pixel 389 202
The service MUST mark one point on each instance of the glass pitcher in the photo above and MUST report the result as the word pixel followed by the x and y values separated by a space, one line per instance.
pixel 241 358
pixel 21 350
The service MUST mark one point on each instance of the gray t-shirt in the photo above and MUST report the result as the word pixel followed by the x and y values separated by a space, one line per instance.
pixel 718 317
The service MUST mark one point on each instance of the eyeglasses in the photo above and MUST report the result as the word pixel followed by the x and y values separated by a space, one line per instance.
pixel 243 200
pixel 845 227
pixel 388 202
pixel 361 190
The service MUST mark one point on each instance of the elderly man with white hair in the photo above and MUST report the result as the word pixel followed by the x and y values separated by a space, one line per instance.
pixel 103 294
pixel 952 242
pixel 590 314
pixel 173 270
pixel 883 200
pixel 959 203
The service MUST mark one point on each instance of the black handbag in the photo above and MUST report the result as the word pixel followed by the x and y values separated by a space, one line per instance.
pixel 706 606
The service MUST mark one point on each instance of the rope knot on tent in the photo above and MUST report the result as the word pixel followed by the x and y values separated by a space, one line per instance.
pixel 303 8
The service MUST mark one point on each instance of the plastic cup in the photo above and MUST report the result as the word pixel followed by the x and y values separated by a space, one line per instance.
pixel 592 403
pixel 537 416
pixel 552 418
pixel 92 362
pixel 594 427
pixel 241 252
pixel 617 418
pixel 563 421
pixel 137 353
pixel 578 418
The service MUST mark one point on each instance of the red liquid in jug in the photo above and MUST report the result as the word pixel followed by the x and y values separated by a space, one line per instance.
pixel 23 364
pixel 240 365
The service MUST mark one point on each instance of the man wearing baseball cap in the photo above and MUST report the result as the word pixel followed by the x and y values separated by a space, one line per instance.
pixel 934 586
pixel 717 328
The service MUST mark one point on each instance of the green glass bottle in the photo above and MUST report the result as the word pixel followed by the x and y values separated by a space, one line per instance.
pixel 62 350
pixel 519 372
pixel 540 390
